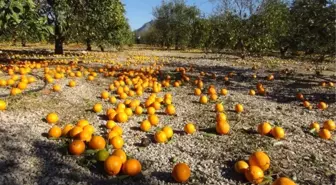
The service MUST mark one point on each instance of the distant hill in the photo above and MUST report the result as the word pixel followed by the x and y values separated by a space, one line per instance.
pixel 143 28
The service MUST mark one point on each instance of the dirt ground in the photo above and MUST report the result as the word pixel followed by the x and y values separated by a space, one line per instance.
pixel 27 156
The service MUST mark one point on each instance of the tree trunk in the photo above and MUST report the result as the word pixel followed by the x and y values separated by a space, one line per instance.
pixel 101 48
pixel 23 42
pixel 58 40
pixel 88 45
pixel 283 51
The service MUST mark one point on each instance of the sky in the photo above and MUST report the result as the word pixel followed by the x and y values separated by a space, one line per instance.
pixel 138 12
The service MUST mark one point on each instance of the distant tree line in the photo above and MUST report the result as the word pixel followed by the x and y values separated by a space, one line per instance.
pixel 247 26
pixel 98 22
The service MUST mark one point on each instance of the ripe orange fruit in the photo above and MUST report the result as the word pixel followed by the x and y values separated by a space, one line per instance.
pixel 120 153
pixel 75 131
pixel 153 119
pixel 121 117
pixel 160 137
pixel 110 124
pixel 222 127
pixel 220 117
pixel 52 118
pixel 264 128
pixel 306 103
pixel 84 136
pixel 150 110
pixel 252 92
pixel 197 91
pixel 118 129
pixel 112 99
pixel 300 96
pixel 117 142
pixel 170 109
pixel 278 132
pixel 168 131
pixel 97 107
pixel 97 143
pixel 2 105
pixel 56 88
pixel 219 107
pixel 76 147
pixel 55 132
pixel 203 99
pixel 82 123
pixel 189 128
pixel 254 174
pixel 105 95
pixel 283 181
pixel 112 133
pixel 66 129
pixel 241 166
pixel 181 172
pixel 72 83
pixel 156 105
pixel 89 128
pixel 138 110
pixel 128 111
pixel 145 126
pixel 239 108
pixel 131 167
pixel 213 97
pixel 329 125
pixel 224 92
pixel 325 134
pixel 112 165
pixel 322 105
pixel 260 159
pixel 315 126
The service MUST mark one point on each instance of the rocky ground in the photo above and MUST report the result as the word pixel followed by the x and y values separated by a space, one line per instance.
pixel 27 156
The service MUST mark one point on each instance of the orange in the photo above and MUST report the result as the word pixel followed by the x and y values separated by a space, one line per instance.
pixel 76 147
pixel 315 126
pixel 15 91
pixel 189 128
pixel 239 108
pixel 270 77
pixel 168 131
pixel 197 91
pixel 252 92
pixel 254 175
pixel 300 96
pixel 220 117
pixel 118 129
pixel 22 85
pixel 170 109
pixel 84 136
pixel 264 128
pixel 160 137
pixel 112 99
pixel 120 153
pixel 112 133
pixel 55 132
pixel 145 126
pixel 128 111
pixel 283 181
pixel 117 142
pixel 306 103
pixel 66 129
pixel 329 125
pixel 82 123
pixel 75 131
pixel 138 110
pixel 219 107
pixel 222 127
pixel 121 117
pixel 131 167
pixel 213 97
pixel 97 107
pixel 153 119
pixel 72 83
pixel 102 155
pixel 278 132
pixel 112 165
pixel 52 118
pixel 150 110
pixel 325 134
pixel 56 88
pixel 322 105
pixel 2 105
pixel 203 99
pixel 181 172
pixel 110 124
pixel 241 166
pixel 156 105
pixel 224 92
pixel 105 95
pixel 260 159
pixel 97 143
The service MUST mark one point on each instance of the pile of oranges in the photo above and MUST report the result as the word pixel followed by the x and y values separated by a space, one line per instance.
pixel 254 171
pixel 324 132
pixel 265 128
